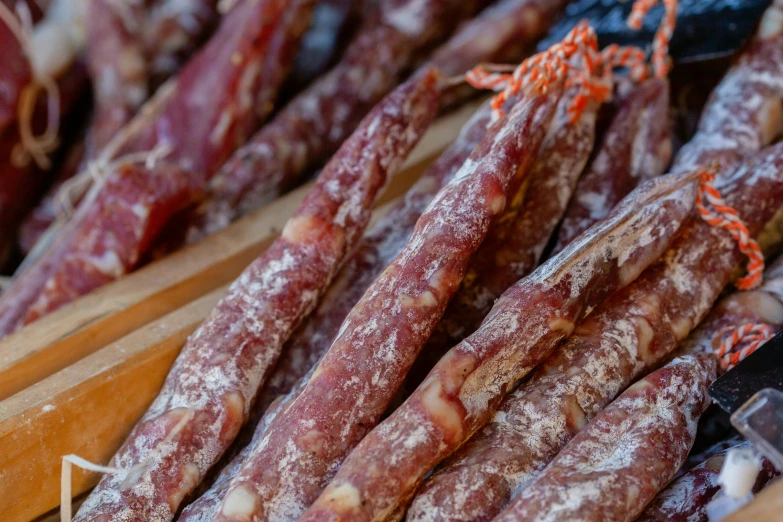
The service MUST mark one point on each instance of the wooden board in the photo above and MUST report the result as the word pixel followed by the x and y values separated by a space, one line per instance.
pixel 767 507
pixel 86 409
pixel 115 310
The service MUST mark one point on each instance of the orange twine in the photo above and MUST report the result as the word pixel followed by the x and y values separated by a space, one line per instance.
pixel 723 216
pixel 660 52
pixel 753 334
pixel 575 60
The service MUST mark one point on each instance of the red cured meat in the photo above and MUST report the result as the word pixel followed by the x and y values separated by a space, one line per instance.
pixel 311 127
pixel 117 66
pixel 514 245
pixel 464 389
pixel 745 112
pixel 209 391
pixel 201 116
pixel 378 248
pixel 380 338
pixel 636 147
pixel 15 74
pixel 629 452
pixel 129 211
pixel 627 335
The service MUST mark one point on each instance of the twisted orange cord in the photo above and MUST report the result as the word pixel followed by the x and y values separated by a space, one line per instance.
pixel 753 334
pixel 575 60
pixel 663 36
pixel 723 216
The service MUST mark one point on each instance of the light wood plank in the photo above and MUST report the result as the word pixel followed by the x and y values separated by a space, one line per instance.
pixel 766 507
pixel 115 310
pixel 87 409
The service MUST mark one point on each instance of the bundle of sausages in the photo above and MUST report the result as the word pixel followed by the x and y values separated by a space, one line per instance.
pixel 527 334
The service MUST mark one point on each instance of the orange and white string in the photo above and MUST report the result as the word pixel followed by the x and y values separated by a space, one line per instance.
pixel 663 36
pixel 749 337
pixel 719 214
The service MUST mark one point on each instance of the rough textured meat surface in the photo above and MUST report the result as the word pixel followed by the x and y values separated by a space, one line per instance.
pixel 383 333
pixel 464 389
pixel 200 117
pixel 228 88
pixel 636 147
pixel 314 123
pixel 117 67
pixel 627 335
pixel 378 248
pixel 382 243
pixel 130 50
pixel 127 214
pixel 172 31
pixel 761 306
pixel 686 499
pixel 627 454
pixel 745 112
pixel 504 32
pixel 514 244
pixel 209 391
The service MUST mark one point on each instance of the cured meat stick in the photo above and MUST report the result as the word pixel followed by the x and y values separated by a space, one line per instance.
pixel 627 335
pixel 200 117
pixel 121 65
pixel 464 389
pixel 636 147
pixel 763 306
pixel 312 125
pixel 380 245
pixel 128 212
pixel 629 452
pixel 745 111
pixel 117 66
pixel 514 245
pixel 382 242
pixel 504 32
pixel 379 340
pixel 171 33
pixel 14 74
pixel 686 499
pixel 209 391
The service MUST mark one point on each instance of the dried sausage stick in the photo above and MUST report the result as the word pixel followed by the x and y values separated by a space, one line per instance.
pixel 627 454
pixel 378 248
pixel 464 389
pixel 636 147
pixel 745 112
pixel 761 306
pixel 314 123
pixel 117 66
pixel 118 57
pixel 209 391
pixel 200 117
pixel 172 31
pixel 383 333
pixel 514 245
pixel 14 74
pixel 686 499
pixel 381 244
pixel 628 334
pixel 128 213
pixel 502 33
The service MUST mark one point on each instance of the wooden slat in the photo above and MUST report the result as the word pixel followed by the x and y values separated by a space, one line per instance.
pixel 87 409
pixel 767 507
pixel 115 310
